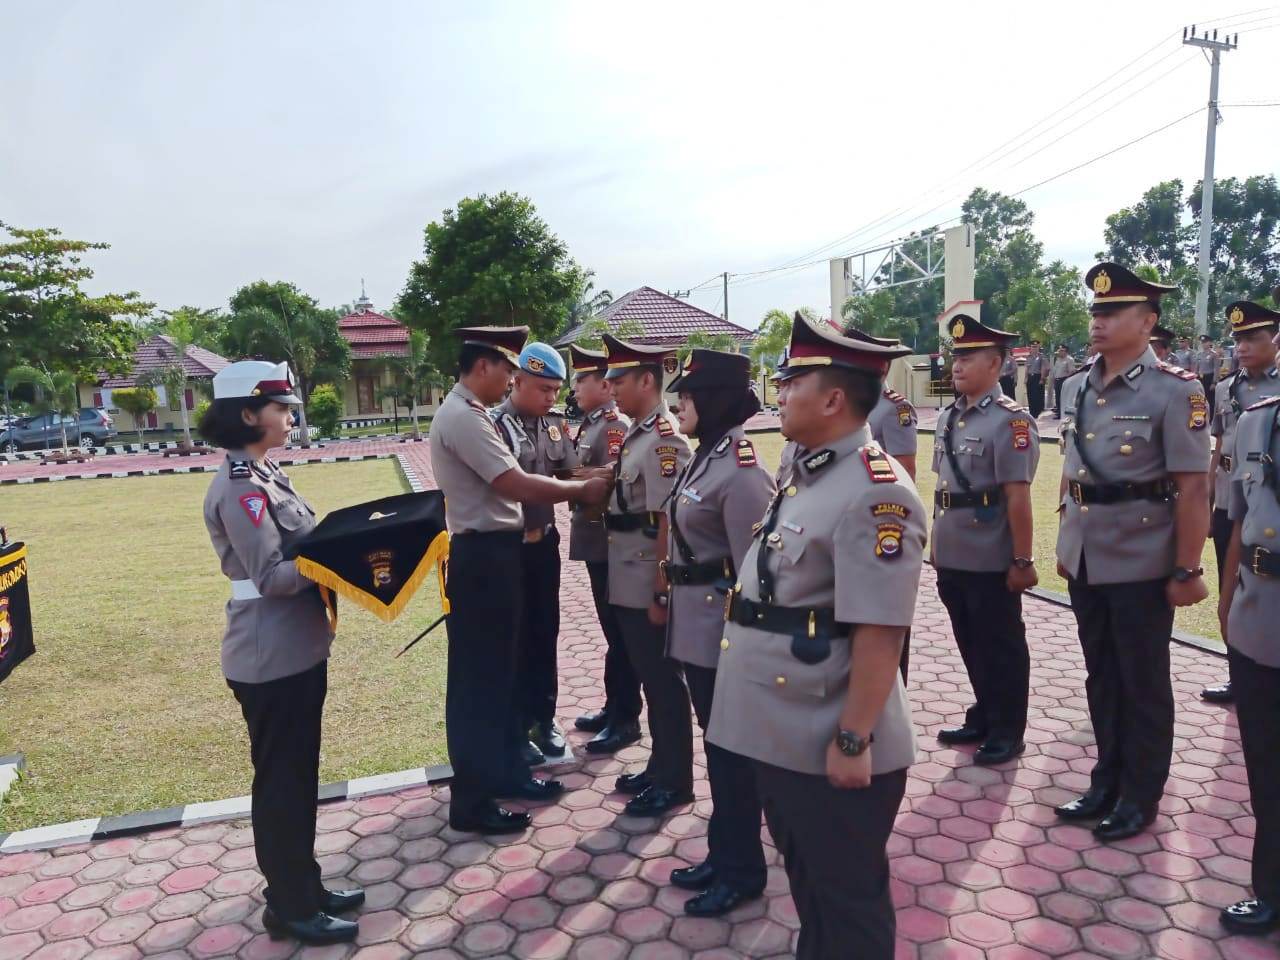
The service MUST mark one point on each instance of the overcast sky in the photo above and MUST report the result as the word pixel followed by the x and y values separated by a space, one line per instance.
pixel 212 144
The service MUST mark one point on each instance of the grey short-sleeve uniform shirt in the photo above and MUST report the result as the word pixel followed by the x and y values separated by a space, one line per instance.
pixel 893 424
pixel 843 540
pixel 995 442
pixel 1150 421
pixel 653 453
pixel 597 443
pixel 541 446
pixel 715 504
pixel 467 455
pixel 253 516
pixel 1232 396
pixel 1255 606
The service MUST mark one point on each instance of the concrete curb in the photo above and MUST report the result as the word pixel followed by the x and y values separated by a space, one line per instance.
pixel 205 468
pixel 11 768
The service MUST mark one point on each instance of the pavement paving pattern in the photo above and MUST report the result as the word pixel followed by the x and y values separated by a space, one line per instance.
pixel 980 866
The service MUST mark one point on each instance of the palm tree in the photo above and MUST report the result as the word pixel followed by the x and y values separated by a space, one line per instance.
pixel 415 372
pixel 586 302
pixel 55 392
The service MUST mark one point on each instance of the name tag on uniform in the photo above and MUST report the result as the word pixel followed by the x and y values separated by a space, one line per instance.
pixel 793 527
pixel 1136 416
pixel 974 439
pixel 692 494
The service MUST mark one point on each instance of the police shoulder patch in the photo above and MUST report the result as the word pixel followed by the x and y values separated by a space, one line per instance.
pixel 614 436
pixel 611 414
pixel 879 469
pixel 255 505
pixel 1268 402
pixel 1021 428
pixel 746 454
pixel 1178 372
pixel 893 396
pixel 888 540
pixel 240 470
pixel 1198 418
pixel 665 429
pixel 1008 403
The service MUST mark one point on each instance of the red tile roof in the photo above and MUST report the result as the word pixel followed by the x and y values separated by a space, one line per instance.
pixel 160 351
pixel 664 319
pixel 372 334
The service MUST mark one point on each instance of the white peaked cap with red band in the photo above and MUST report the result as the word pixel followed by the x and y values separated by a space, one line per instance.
pixel 255 378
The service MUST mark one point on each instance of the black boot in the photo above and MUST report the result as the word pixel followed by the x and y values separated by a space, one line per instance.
pixel 489 820
pixel 341 901
pixel 592 722
pixel 718 901
pixel 694 878
pixel 1126 820
pixel 318 929
pixel 547 738
pixel 1092 805
pixel 614 737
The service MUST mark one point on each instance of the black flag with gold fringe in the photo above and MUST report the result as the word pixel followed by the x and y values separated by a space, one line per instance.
pixel 16 639
pixel 377 554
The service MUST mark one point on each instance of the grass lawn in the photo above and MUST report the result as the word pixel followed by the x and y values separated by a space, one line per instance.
pixel 124 708
pixel 1201 619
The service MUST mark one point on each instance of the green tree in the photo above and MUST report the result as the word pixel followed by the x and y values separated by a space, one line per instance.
pixel 136 401
pixel 593 330
pixel 205 326
pixel 772 337
pixel 415 373
pixel 702 340
pixel 1049 306
pixel 47 321
pixel 1005 249
pixel 587 302
pixel 492 261
pixel 55 392
pixel 325 408
pixel 278 322
pixel 875 313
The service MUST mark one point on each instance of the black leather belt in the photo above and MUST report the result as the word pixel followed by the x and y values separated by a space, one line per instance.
pixel 1225 461
pixel 627 522
pixel 970 498
pixel 811 628
pixel 1263 562
pixel 1119 492
pixel 688 574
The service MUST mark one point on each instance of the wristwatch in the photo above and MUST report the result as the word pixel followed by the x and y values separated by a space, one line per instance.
pixel 852 745
pixel 1183 574
pixel 1023 562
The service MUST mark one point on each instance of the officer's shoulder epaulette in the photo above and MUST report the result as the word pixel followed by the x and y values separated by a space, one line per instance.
pixel 1008 403
pixel 879 469
pixel 1175 371
pixel 611 414
pixel 240 470
pixel 555 412
pixel 478 405
pixel 893 396
pixel 665 429
pixel 746 452
pixel 1266 402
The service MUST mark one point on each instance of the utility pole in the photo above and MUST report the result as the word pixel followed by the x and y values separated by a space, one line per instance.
pixel 1217 48
pixel 726 295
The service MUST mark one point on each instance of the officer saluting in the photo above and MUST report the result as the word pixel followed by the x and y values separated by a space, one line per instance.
pixel 715 503
pixel 598 443
pixel 985 457
pixel 275 652
pixel 1249 609
pixel 653 453
pixel 1252 327
pixel 1134 498
pixel 484 487
pixel 536 433
pixel 808 683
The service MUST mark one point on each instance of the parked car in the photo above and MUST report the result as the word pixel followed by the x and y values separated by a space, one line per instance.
pixel 89 429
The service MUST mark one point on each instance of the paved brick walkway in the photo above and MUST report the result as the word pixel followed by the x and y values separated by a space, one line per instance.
pixel 980 866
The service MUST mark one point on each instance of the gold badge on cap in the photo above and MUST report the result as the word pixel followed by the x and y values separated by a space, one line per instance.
pixel 670 365
pixel 1237 317
pixel 1102 283
pixel 535 365
pixel 957 330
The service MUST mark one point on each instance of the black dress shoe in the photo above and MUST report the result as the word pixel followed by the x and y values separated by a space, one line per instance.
pixel 717 901
pixel 592 722
pixel 656 801
pixel 1219 694
pixel 998 751
pixel 548 738
pixel 1092 805
pixel 1126 820
pixel 533 789
pixel 491 820
pixel 614 737
pixel 1250 917
pixel 633 783
pixel 340 901
pixel 965 734
pixel 531 755
pixel 318 929
pixel 694 878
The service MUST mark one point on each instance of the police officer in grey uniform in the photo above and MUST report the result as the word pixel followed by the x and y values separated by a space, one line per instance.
pixel 1133 519
pixel 985 456
pixel 484 487
pixel 1252 327
pixel 653 453
pixel 1009 377
pixel 537 434
pixel 717 500
pixel 597 444
pixel 1064 365
pixel 807 683
pixel 1162 344
pixel 1206 367
pixel 275 650
pixel 1249 609
pixel 1035 380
